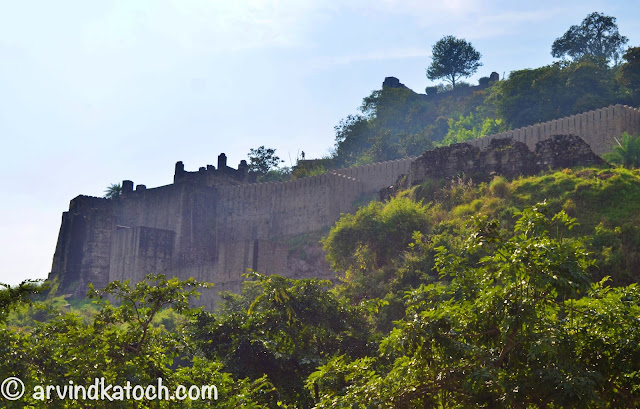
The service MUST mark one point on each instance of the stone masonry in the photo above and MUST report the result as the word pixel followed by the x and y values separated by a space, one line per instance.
pixel 215 223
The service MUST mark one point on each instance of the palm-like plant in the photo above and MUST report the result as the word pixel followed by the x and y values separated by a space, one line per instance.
pixel 114 191
pixel 626 153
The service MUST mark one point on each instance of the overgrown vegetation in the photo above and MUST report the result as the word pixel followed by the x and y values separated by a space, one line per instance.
pixel 454 294
pixel 504 294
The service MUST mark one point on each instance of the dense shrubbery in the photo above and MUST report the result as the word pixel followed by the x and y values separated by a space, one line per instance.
pixel 513 322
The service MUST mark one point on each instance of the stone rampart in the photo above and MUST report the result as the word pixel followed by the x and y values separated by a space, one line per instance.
pixel 598 128
pixel 378 174
pixel 213 224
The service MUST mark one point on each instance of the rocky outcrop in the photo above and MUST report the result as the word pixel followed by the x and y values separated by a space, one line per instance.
pixel 392 82
pixel 504 157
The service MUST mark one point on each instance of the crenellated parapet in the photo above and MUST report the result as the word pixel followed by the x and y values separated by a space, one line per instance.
pixel 598 128
pixel 210 176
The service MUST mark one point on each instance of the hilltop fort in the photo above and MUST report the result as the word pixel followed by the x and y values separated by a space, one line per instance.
pixel 214 223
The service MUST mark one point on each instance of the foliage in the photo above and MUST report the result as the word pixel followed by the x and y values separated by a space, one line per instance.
pixel 283 329
pixel 12 297
pixel 453 58
pixel 629 73
pixel 596 36
pixel 471 127
pixel 514 323
pixel 114 191
pixel 124 342
pixel 627 152
pixel 376 234
pixel 314 167
pixel 276 175
pixel 262 160
pixel 434 311
pixel 396 123
pixel 431 90
pixel 554 91
pixel 139 305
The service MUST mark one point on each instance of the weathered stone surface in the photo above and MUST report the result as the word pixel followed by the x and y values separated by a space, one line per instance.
pixel 565 151
pixel 504 157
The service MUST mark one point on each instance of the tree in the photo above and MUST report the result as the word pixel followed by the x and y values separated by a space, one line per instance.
pixel 127 340
pixel 262 160
pixel 375 235
pixel 281 328
pixel 453 58
pixel 554 91
pixel 11 297
pixel 597 36
pixel 114 191
pixel 629 72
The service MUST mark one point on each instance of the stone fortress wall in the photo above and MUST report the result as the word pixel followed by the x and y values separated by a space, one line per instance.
pixel 598 128
pixel 213 224
pixel 207 225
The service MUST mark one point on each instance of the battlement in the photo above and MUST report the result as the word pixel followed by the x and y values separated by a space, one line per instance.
pixel 598 128
pixel 81 202
pixel 210 176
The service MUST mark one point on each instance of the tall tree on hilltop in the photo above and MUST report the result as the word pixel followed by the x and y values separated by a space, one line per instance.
pixel 597 35
pixel 453 58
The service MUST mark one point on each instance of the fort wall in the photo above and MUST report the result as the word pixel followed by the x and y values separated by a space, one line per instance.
pixel 83 247
pixel 214 224
pixel 598 128
pixel 378 174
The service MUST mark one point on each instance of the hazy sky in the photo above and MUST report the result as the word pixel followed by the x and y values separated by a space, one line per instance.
pixel 96 91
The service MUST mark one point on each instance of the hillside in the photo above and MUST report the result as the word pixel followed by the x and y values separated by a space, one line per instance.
pixel 396 122
pixel 604 201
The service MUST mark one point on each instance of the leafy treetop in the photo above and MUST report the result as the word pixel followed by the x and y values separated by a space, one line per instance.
pixel 262 160
pixel 597 36
pixel 453 58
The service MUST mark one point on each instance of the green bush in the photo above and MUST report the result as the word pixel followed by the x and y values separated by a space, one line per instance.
pixel 431 90
pixel 626 153
pixel 375 235
pixel 499 187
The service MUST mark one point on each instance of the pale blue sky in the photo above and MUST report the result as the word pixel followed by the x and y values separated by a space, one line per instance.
pixel 94 92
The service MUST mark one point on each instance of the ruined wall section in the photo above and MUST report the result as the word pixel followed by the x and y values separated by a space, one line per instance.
pixel 503 156
pixel 598 128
